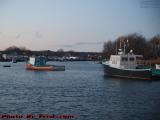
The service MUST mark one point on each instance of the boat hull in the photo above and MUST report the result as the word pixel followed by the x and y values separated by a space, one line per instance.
pixel 156 74
pixel 144 74
pixel 45 68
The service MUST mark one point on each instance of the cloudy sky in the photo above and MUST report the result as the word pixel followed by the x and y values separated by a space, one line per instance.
pixel 79 25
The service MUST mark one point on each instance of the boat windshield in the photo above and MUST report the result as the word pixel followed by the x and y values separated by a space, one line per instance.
pixel 40 61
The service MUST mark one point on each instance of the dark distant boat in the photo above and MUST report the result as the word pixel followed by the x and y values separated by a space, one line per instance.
pixel 39 63
pixel 125 66
pixel 6 65
pixel 156 72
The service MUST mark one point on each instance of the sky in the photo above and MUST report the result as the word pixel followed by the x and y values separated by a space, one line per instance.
pixel 78 25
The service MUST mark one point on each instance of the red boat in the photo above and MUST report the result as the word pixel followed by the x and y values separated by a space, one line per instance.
pixel 39 63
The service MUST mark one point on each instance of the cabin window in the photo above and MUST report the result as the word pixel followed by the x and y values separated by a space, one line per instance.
pixel 114 62
pixel 124 59
pixel 131 59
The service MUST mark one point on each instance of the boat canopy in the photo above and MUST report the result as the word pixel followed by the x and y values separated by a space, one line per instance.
pixel 157 66
pixel 124 61
pixel 40 61
pixel 37 61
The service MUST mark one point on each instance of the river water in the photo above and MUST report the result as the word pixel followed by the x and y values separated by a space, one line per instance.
pixel 81 91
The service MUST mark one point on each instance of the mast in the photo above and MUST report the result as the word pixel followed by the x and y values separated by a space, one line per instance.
pixel 120 43
pixel 116 47
pixel 124 47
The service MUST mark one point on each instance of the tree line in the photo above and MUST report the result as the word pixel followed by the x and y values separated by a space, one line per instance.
pixel 149 48
pixel 23 51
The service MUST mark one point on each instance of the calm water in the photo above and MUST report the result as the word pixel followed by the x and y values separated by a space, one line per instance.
pixel 81 91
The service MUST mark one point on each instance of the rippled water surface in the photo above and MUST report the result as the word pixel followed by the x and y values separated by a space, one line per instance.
pixel 81 90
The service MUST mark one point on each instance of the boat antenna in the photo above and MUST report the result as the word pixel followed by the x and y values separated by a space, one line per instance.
pixel 120 43
pixel 127 41
pixel 116 47
pixel 124 47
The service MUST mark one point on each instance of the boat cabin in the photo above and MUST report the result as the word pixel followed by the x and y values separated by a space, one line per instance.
pixel 157 66
pixel 37 61
pixel 124 61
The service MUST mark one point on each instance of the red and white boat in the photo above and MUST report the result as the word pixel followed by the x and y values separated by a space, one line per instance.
pixel 39 63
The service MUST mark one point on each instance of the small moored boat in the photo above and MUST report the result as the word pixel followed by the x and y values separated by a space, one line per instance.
pixel 39 63
pixel 6 65
pixel 156 72
pixel 157 66
pixel 14 60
